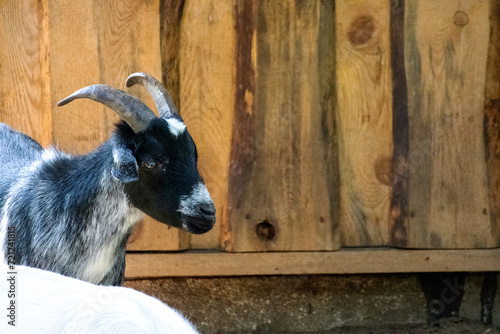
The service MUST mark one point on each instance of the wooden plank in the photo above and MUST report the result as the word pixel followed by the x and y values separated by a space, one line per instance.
pixel 155 236
pixel 79 127
pixel 206 69
pixel 128 35
pixel 24 83
pixel 109 40
pixel 354 261
pixel 171 12
pixel 492 120
pixel 398 223
pixel 446 52
pixel 129 41
pixel 280 178
pixel 365 120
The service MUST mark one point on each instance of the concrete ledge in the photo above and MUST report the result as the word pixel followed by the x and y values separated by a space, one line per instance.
pixel 346 261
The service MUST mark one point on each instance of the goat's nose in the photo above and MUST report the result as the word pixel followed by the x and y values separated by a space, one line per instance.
pixel 207 209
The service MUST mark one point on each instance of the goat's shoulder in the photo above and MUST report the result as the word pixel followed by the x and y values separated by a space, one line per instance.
pixel 17 152
pixel 17 147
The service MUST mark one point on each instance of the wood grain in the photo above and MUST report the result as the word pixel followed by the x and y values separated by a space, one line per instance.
pixel 24 89
pixel 364 89
pixel 206 69
pixel 356 261
pixel 103 42
pixel 129 41
pixel 280 177
pixel 446 52
pixel 492 120
pixel 171 13
pixel 80 126
pixel 150 235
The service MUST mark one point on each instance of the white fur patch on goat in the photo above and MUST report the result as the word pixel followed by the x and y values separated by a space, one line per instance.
pixel 189 204
pixel 175 126
pixel 47 302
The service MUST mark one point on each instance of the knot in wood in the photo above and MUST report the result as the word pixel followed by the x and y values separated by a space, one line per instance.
pixel 460 18
pixel 361 30
pixel 383 170
pixel 265 230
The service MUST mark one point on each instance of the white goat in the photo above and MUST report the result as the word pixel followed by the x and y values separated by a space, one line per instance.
pixel 39 301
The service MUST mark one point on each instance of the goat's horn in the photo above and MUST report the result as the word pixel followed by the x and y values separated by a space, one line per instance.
pixel 162 98
pixel 130 109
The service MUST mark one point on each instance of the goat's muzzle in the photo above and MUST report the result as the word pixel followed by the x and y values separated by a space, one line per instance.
pixel 197 210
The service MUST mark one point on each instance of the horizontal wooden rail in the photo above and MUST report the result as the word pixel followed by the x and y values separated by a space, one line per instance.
pixel 352 261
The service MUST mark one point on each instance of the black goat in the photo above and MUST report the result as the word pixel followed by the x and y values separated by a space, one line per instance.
pixel 73 214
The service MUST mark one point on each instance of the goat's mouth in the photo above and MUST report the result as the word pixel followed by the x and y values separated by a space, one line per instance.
pixel 197 225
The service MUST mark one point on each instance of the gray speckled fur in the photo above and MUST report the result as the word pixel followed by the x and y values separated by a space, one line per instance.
pixel 61 230
pixel 73 214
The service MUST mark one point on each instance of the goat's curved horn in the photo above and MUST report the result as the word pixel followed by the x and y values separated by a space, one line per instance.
pixel 130 109
pixel 162 98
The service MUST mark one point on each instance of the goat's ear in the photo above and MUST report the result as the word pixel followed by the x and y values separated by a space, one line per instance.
pixel 125 167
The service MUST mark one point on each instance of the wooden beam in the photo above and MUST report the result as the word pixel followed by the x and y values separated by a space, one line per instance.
pixel 354 261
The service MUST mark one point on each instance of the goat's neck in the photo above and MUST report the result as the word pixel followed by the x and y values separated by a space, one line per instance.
pixel 96 203
pixel 88 191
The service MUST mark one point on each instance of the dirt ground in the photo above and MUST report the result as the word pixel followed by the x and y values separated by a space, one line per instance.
pixel 448 326
pixel 321 304
pixel 454 326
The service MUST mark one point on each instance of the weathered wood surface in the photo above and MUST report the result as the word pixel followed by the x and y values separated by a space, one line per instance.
pixel 281 177
pixel 492 120
pixel 364 88
pixel 74 63
pixel 399 211
pixel 51 49
pixel 363 123
pixel 206 72
pixel 446 51
pixel 351 261
pixel 152 235
pixel 24 85
pixel 97 42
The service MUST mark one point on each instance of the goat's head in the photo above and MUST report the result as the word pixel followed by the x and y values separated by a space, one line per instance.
pixel 157 158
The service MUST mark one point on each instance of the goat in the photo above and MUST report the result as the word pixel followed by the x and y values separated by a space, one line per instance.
pixel 40 301
pixel 74 214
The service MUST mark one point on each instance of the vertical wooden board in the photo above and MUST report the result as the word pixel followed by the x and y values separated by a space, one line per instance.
pixel 171 12
pixel 492 119
pixel 80 126
pixel 128 35
pixel 446 52
pixel 206 69
pixel 24 83
pixel 151 235
pixel 129 41
pixel 365 120
pixel 280 178
pixel 103 42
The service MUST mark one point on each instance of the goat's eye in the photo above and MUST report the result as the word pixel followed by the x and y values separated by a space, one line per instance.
pixel 149 163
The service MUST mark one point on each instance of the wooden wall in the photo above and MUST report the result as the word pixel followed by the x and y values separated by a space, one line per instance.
pixel 319 124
